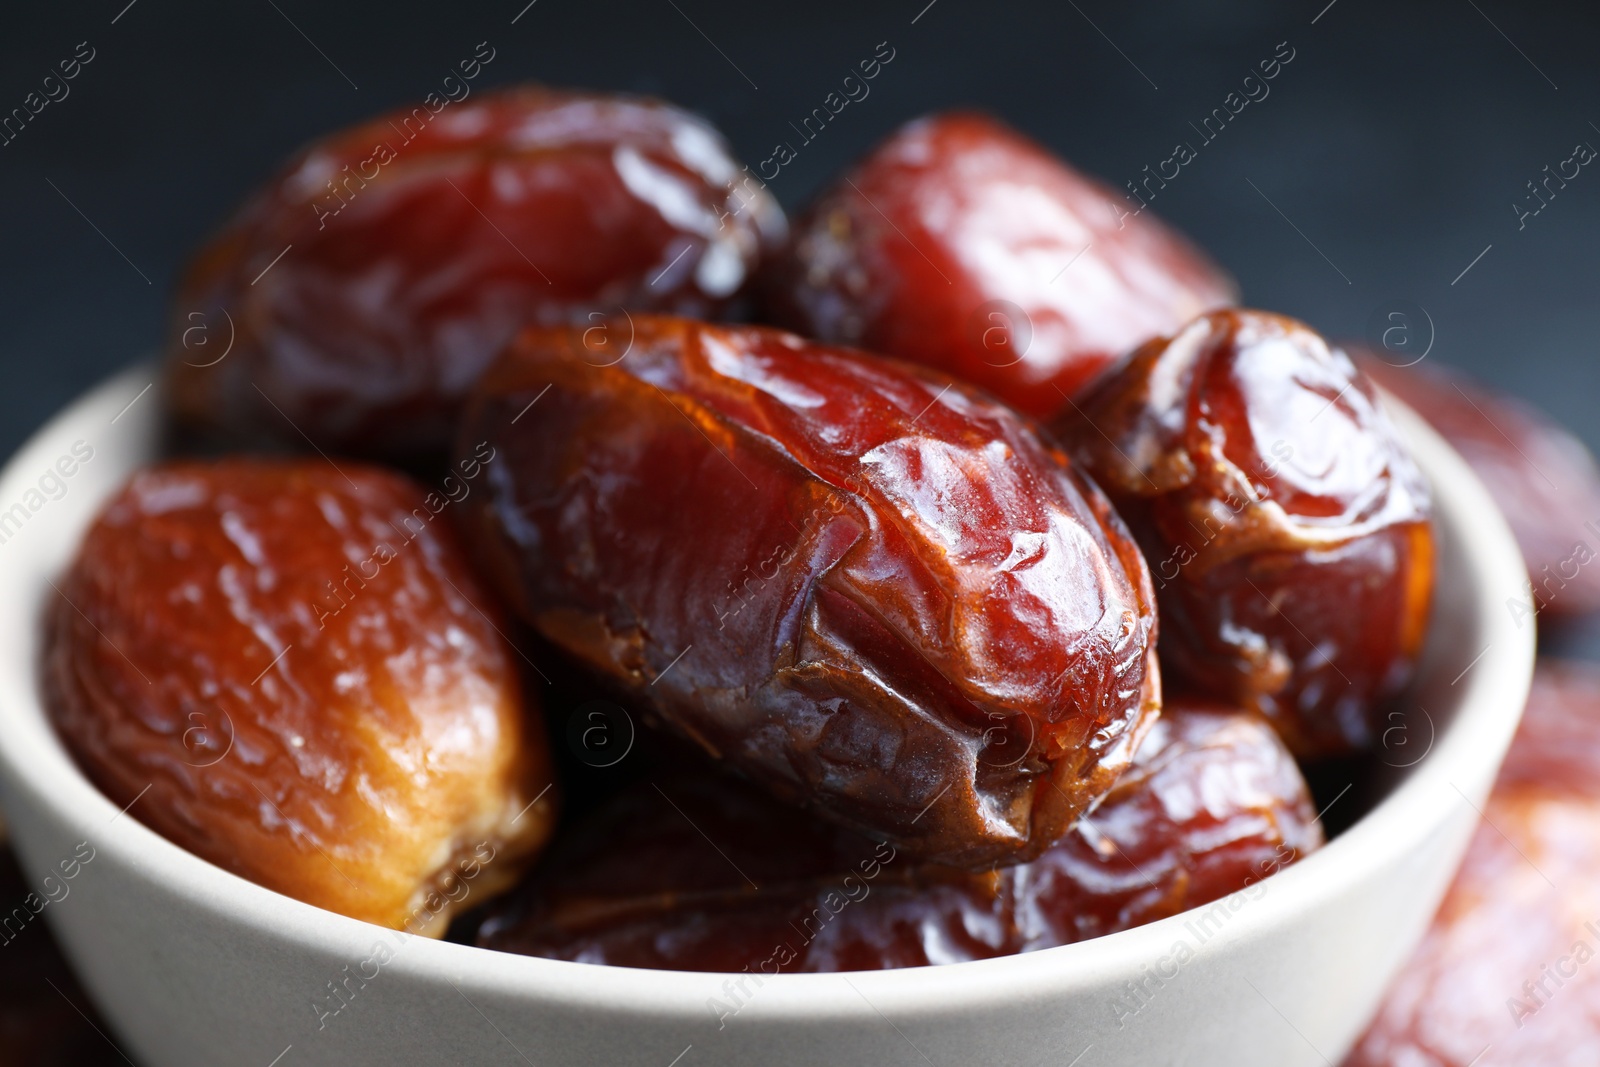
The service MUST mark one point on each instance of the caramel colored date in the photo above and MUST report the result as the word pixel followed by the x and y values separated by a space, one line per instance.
pixel 1286 525
pixel 1544 479
pixel 292 675
pixel 414 246
pixel 867 587
pixel 961 244
pixel 1506 976
pixel 1213 804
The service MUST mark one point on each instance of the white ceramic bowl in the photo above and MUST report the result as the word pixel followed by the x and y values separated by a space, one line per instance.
pixel 193 965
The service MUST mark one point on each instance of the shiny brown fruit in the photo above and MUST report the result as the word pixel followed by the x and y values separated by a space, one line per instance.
pixel 1213 804
pixel 1287 527
pixel 869 588
pixel 1507 976
pixel 1545 480
pixel 961 244
pixel 289 670
pixel 415 245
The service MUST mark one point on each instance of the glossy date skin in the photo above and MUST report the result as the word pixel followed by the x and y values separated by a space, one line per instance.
pixel 1545 480
pixel 950 245
pixel 293 675
pixel 1287 527
pixel 1506 976
pixel 871 589
pixel 1213 804
pixel 422 241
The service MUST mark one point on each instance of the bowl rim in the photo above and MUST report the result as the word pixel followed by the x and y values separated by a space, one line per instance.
pixel 1459 768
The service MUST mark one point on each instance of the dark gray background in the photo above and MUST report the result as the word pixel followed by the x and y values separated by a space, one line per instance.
pixel 1396 141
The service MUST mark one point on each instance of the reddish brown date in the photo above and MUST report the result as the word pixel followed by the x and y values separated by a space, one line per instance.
pixel 288 670
pixel 414 246
pixel 1506 976
pixel 1286 525
pixel 1213 804
pixel 870 588
pixel 962 244
pixel 1544 479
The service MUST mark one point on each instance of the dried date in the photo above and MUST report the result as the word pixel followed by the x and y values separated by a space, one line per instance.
pixel 1213 804
pixel 1287 527
pixel 289 670
pixel 357 296
pixel 962 244
pixel 868 587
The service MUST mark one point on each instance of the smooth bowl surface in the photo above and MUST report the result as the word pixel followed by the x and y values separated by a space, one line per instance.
pixel 193 965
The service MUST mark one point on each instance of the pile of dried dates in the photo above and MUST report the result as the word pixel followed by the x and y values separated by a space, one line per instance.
pixel 573 556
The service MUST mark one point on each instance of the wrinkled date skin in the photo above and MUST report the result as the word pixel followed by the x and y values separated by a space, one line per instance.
pixel 291 675
pixel 1506 975
pixel 1544 479
pixel 869 588
pixel 420 244
pixel 1287 527
pixel 961 244
pixel 1213 804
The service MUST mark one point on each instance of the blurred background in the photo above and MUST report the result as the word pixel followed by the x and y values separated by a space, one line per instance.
pixel 1385 162
pixel 1390 170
